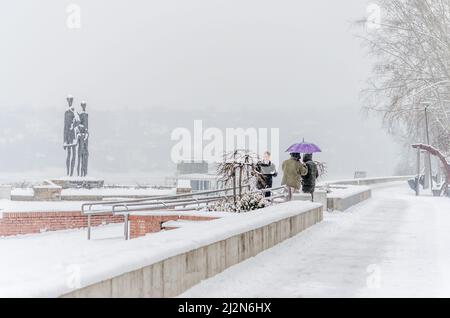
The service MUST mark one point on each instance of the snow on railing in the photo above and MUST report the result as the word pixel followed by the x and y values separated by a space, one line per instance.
pixel 186 201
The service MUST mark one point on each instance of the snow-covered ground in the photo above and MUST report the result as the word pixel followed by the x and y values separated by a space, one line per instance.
pixel 392 245
pixel 344 191
pixel 54 263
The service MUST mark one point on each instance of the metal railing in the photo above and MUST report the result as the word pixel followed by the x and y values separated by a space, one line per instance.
pixel 174 203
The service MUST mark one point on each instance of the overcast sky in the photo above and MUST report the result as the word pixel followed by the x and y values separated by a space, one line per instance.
pixel 279 60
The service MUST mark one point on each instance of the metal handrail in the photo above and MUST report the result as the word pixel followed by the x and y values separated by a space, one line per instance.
pixel 165 203
pixel 137 201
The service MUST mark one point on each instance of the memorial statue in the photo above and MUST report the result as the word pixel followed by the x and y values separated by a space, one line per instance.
pixel 84 116
pixel 71 121
pixel 83 141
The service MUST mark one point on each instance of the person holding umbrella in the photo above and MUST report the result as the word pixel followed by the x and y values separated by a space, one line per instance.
pixel 308 177
pixel 293 170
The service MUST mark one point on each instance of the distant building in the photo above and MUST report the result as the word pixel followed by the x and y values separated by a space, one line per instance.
pixel 360 174
pixel 189 167
pixel 194 175
pixel 198 181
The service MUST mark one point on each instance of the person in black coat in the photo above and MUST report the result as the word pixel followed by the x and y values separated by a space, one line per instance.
pixel 309 180
pixel 268 171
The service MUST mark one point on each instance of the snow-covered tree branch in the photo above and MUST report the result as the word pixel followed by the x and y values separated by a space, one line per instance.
pixel 411 49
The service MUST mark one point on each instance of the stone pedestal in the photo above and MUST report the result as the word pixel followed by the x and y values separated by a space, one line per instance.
pixel 77 183
pixel 47 192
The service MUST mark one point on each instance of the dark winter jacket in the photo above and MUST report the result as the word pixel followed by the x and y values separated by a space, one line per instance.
pixel 309 180
pixel 267 172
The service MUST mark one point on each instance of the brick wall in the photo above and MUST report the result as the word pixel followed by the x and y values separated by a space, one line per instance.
pixel 36 222
pixel 143 224
pixel 14 223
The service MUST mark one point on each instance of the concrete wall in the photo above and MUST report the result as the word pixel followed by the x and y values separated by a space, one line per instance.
pixel 174 275
pixel 320 196
pixel 47 193
pixel 343 203
pixel 369 181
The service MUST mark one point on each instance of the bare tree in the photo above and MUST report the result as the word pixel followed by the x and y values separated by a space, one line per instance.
pixel 411 48
pixel 239 170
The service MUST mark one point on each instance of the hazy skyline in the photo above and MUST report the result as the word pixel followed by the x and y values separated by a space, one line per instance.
pixel 278 61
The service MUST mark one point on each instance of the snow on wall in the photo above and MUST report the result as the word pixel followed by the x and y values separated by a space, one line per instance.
pixel 347 191
pixel 97 261
pixel 367 181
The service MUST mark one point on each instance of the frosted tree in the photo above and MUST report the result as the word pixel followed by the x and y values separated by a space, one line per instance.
pixel 239 171
pixel 411 47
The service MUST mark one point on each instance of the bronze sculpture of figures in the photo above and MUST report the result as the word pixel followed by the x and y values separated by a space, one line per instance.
pixel 83 142
pixel 76 135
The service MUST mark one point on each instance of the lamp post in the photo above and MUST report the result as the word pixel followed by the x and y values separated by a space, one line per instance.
pixel 428 143
pixel 418 173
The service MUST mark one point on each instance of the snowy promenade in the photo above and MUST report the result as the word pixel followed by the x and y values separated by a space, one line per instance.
pixel 391 245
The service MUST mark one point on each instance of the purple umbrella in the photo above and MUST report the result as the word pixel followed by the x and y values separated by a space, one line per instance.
pixel 303 147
